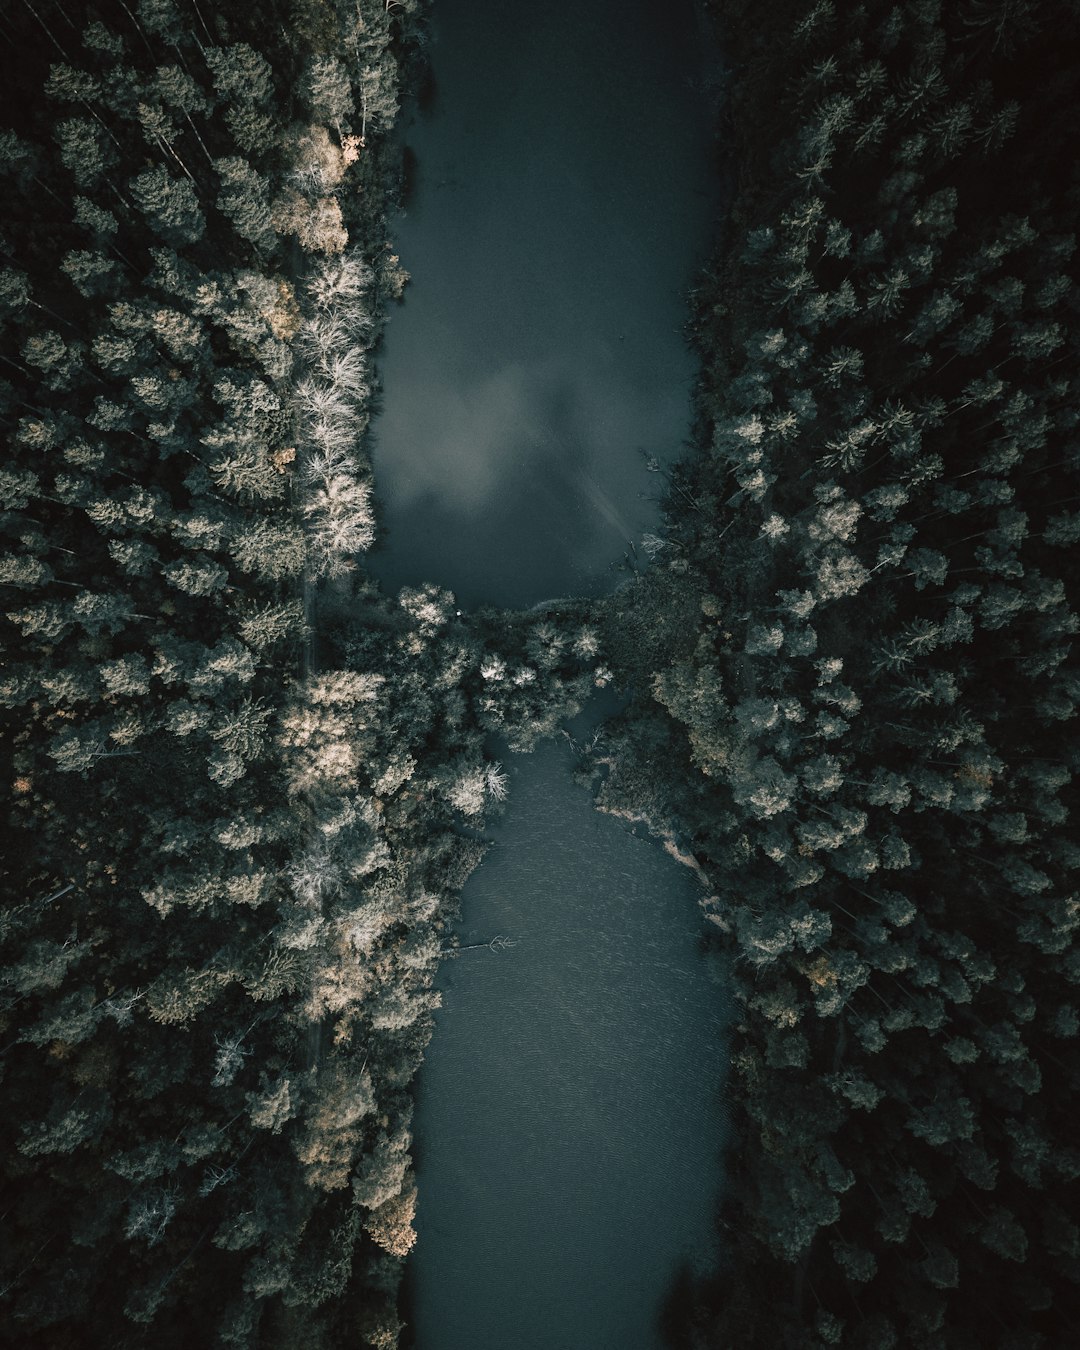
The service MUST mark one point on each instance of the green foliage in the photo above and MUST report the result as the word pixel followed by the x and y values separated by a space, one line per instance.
pixel 867 735
pixel 227 869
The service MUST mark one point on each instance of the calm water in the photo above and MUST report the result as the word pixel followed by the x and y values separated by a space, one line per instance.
pixel 558 218
pixel 569 1113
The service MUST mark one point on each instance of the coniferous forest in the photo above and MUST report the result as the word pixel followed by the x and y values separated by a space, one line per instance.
pixel 244 786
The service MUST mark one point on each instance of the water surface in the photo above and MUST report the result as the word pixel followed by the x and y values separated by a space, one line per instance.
pixel 559 212
pixel 569 1115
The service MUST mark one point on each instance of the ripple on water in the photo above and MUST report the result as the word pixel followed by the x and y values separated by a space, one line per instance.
pixel 570 1111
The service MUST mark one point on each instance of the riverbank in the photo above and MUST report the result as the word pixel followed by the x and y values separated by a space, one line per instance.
pixel 233 873
pixel 246 785
pixel 569 1109
pixel 535 381
pixel 868 726
pixel 850 662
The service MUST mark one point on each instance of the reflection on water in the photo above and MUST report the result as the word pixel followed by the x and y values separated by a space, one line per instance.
pixel 468 439
pixel 569 1116
pixel 568 1119
pixel 554 224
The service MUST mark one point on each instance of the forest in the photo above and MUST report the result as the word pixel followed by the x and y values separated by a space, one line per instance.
pixel 246 786
pixel 863 723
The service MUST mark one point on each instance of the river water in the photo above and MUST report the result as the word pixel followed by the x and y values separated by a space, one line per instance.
pixel 560 208
pixel 569 1113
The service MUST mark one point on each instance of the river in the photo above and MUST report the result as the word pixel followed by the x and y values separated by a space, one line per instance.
pixel 569 1113
pixel 559 210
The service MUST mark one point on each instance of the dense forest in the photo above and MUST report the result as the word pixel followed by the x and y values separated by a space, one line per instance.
pixel 861 711
pixel 245 787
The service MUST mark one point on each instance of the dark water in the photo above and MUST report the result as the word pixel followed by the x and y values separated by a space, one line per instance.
pixel 561 207
pixel 569 1114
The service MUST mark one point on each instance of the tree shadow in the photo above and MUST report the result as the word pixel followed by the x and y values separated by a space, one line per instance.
pixel 406 1302
pixel 680 1316
pixel 426 91
pixel 410 177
